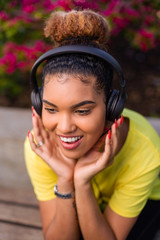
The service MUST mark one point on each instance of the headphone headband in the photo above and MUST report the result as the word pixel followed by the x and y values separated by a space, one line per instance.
pixel 77 49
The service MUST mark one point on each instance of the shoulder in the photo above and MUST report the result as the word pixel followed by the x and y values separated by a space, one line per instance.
pixel 143 130
pixel 140 153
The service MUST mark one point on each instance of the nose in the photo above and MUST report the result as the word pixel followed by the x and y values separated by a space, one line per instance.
pixel 66 124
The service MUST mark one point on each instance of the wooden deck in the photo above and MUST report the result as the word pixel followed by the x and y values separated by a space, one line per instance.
pixel 19 214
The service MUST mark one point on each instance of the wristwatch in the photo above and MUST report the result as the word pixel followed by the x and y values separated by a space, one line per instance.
pixel 62 195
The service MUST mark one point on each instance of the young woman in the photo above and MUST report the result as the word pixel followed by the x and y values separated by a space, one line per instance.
pixel 92 176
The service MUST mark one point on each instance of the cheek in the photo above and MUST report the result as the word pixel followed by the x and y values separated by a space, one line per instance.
pixel 94 124
pixel 48 121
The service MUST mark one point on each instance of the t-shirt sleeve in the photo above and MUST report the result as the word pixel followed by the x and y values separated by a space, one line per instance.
pixel 41 175
pixel 139 164
pixel 129 197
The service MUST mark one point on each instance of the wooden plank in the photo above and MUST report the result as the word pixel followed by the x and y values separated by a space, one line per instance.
pixel 20 214
pixel 14 232
pixel 23 196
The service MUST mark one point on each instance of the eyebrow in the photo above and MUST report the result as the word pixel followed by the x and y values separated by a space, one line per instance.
pixel 51 104
pixel 73 106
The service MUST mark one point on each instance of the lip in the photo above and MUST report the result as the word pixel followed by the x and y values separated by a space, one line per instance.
pixel 70 146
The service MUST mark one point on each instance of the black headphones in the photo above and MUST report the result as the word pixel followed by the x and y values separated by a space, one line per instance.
pixel 116 99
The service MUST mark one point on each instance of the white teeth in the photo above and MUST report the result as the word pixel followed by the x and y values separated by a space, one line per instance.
pixel 73 139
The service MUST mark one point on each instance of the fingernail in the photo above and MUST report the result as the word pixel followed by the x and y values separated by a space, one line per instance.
pixel 28 133
pixel 32 108
pixel 121 121
pixel 109 134
pixel 116 123
pixel 33 114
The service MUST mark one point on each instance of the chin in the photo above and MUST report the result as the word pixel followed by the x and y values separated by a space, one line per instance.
pixel 74 154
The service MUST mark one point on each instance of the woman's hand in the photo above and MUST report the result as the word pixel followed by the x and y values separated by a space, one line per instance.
pixel 49 150
pixel 95 161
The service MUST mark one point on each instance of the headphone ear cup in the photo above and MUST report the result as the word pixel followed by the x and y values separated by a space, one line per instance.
pixel 115 105
pixel 36 99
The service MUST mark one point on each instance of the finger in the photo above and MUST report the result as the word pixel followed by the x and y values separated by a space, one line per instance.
pixel 34 111
pixel 40 134
pixel 44 132
pixel 39 138
pixel 120 121
pixel 107 154
pixel 37 117
pixel 36 128
pixel 33 144
pixel 114 134
pixel 31 140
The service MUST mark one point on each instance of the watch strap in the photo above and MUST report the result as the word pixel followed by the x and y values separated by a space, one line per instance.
pixel 62 195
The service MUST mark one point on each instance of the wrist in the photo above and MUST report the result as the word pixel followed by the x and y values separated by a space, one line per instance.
pixel 82 183
pixel 65 186
pixel 69 195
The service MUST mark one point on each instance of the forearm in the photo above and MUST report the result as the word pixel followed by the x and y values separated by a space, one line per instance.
pixel 65 223
pixel 92 222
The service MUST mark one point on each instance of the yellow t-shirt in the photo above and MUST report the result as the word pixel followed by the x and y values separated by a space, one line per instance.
pixel 126 184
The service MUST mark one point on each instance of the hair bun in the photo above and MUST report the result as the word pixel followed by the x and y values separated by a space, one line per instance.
pixel 63 27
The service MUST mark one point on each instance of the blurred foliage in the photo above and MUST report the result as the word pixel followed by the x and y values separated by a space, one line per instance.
pixel 22 40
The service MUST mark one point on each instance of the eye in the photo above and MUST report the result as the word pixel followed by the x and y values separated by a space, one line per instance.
pixel 83 112
pixel 51 110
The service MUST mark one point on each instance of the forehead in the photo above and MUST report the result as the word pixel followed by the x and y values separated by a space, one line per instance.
pixel 70 81
pixel 63 77
pixel 69 86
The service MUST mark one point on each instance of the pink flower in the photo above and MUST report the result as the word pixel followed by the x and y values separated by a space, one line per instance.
pixel 145 39
pixel 86 4
pixel 80 1
pixel 64 4
pixel 9 47
pixel 28 9
pixel 48 5
pixel 13 21
pixel 4 16
pixel 21 56
pixel 9 62
pixel 29 2
pixel 13 3
pixel 41 46
pixel 132 12
pixel 33 52
pixel 146 34
pixel 23 65
pixel 120 22
pixel 111 7
pixel 149 20
pixel 148 9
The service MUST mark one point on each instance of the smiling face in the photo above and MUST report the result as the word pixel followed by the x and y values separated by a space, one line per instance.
pixel 74 112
